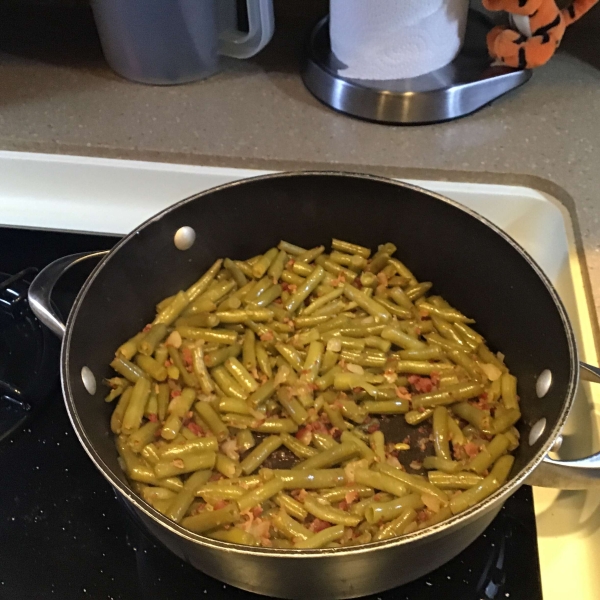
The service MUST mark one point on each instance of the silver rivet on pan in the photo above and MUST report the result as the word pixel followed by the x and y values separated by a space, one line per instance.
pixel 184 238
pixel 536 431
pixel 557 444
pixel 543 383
pixel 89 381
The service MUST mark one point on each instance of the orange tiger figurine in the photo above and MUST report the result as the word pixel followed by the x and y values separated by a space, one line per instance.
pixel 537 29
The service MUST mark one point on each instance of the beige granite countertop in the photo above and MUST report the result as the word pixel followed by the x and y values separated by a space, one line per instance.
pixel 57 95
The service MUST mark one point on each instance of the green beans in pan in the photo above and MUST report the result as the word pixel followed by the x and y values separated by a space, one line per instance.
pixel 291 359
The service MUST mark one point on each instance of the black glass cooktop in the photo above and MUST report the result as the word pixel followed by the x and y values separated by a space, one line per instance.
pixel 64 534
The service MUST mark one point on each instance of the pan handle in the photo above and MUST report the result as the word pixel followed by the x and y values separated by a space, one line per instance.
pixel 40 290
pixel 577 474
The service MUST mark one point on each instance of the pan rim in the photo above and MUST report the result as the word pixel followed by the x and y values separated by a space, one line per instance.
pixel 454 522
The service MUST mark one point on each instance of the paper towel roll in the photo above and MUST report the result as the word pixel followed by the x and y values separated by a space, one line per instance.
pixel 396 39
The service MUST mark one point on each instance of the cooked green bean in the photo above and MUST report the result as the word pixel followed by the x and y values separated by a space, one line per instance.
pixel 260 494
pixel 218 357
pixel 413 482
pixel 180 504
pixel 292 407
pixel 173 309
pixel 286 525
pixel 321 509
pixel 151 367
pixel 241 375
pixel 386 407
pixel 505 419
pixel 379 481
pixel 208 520
pixel 479 418
pixel 509 391
pixel 297 447
pixel 290 248
pixel 375 512
pixel 211 418
pixel 260 453
pixel 134 413
pixel 454 481
pixel 116 419
pixel 150 340
pixel 291 355
pixel 184 464
pixel 489 454
pixel 234 405
pixel 228 384
pixel 440 433
pixel 447 465
pixel 204 379
pixel 370 306
pixel 178 409
pixel 151 406
pixel 202 284
pixel 262 394
pixel 188 378
pixel 227 466
pixel 194 446
pixel 398 525
pixel 127 369
pixel 415 417
pixel 219 336
pixel 322 538
pixel 143 436
pixel 260 267
pixel 349 248
pixel 311 479
pixel 485 488
pixel 304 290
pixel 448 395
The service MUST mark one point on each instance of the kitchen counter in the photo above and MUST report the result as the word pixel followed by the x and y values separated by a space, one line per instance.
pixel 57 95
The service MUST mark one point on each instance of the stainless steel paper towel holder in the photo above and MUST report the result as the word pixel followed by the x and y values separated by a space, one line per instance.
pixel 458 89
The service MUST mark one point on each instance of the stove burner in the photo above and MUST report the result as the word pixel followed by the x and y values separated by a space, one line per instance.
pixel 29 365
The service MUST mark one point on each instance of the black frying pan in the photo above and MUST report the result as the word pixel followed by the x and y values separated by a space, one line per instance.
pixel 474 265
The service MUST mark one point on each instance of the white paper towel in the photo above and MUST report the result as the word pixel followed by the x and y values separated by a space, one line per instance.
pixel 396 39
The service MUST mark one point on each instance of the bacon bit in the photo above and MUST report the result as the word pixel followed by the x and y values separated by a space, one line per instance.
pixel 178 463
pixel 186 354
pixel 290 264
pixel 304 435
pixel 421 384
pixel 199 508
pixel 220 504
pixel 174 340
pixel 292 287
pixel 423 313
pixel 147 327
pixel 415 465
pixel 382 278
pixel 339 280
pixel 257 511
pixel 168 363
pixel 195 429
pixel 406 440
pixel 267 336
pixel 158 433
pixel 351 497
pixel 216 477
pixel 373 427
pixel 435 379
pixel 402 393
pixel 423 515
pixel 175 393
pixel 357 283
pixel 318 525
pixel 431 502
pixel 299 495
pixel 152 418
pixel 481 402
pixel 471 449
pixel 343 505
